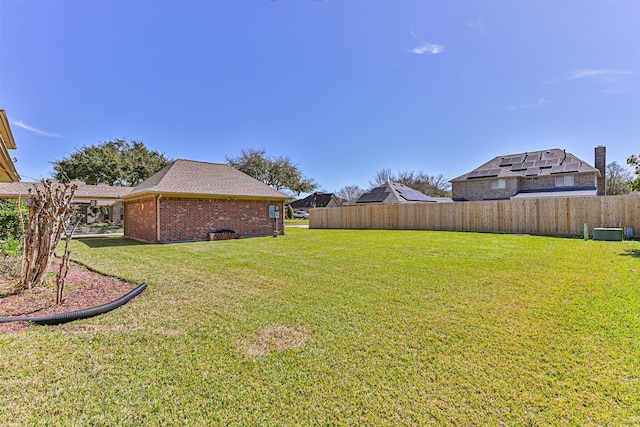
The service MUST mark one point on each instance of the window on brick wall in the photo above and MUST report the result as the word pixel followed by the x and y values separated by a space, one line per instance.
pixel 564 181
pixel 498 184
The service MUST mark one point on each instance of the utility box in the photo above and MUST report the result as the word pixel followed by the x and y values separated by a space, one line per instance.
pixel 611 234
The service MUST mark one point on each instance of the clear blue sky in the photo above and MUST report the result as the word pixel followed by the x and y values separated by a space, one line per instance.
pixel 344 89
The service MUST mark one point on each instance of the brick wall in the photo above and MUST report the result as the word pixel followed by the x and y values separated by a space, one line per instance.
pixel 549 182
pixel 480 189
pixel 184 219
pixel 140 219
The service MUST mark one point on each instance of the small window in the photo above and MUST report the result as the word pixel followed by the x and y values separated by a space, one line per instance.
pixel 564 181
pixel 498 184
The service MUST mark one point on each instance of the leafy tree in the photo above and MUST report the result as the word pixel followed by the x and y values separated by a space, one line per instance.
pixel 431 185
pixel 349 192
pixel 11 223
pixel 289 212
pixel 279 172
pixel 618 180
pixel 635 162
pixel 113 162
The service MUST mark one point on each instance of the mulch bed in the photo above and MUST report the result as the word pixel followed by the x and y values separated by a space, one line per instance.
pixel 83 289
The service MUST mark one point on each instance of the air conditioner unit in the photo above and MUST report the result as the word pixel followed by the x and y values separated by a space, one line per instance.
pixel 611 234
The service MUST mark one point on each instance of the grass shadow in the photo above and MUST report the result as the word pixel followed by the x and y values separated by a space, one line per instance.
pixel 631 252
pixel 107 242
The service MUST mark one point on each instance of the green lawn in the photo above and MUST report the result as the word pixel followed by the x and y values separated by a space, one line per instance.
pixel 343 327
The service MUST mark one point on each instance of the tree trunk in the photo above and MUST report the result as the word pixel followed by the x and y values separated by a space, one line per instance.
pixel 49 214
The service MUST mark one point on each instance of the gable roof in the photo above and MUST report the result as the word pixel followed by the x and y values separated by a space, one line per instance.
pixel 315 200
pixel 84 191
pixel 533 163
pixel 193 178
pixel 393 192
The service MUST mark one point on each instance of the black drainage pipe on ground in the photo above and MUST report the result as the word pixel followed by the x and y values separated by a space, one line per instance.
pixel 56 319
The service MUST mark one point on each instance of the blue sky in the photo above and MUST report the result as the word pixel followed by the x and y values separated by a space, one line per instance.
pixel 344 89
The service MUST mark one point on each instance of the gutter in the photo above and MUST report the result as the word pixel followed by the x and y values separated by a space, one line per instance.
pixel 158 217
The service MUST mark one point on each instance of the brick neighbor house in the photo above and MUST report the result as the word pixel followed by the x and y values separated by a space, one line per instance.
pixel 546 173
pixel 188 200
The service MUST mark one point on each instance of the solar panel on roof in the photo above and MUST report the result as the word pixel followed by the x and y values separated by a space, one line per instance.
pixel 516 166
pixel 545 171
pixel 557 169
pixel 505 161
pixel 528 164
pixel 373 196
pixel 487 172
pixel 412 195
pixel 532 171
pixel 572 167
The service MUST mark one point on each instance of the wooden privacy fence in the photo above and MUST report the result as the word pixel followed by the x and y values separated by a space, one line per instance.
pixel 548 216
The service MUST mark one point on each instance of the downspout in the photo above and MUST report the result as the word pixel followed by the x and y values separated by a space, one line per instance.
pixel 158 218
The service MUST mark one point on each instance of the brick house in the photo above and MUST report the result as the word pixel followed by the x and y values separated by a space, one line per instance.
pixel 188 200
pixel 546 173
pixel 96 203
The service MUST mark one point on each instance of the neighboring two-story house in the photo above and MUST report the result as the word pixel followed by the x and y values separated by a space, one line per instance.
pixel 546 173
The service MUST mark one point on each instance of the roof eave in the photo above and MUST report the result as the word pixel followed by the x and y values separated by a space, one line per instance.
pixel 201 196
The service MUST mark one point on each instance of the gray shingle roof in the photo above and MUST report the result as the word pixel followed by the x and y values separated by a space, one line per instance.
pixel 533 163
pixel 393 192
pixel 188 177
pixel 84 191
pixel 315 200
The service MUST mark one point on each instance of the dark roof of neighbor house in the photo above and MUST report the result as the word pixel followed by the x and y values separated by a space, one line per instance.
pixel 193 178
pixel 533 163
pixel 84 191
pixel 315 200
pixel 394 192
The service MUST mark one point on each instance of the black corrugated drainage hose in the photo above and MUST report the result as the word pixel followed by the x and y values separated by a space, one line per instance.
pixel 56 319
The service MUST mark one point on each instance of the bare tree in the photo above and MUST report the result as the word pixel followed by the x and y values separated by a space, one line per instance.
pixel 431 185
pixel 49 213
pixel 618 180
pixel 349 192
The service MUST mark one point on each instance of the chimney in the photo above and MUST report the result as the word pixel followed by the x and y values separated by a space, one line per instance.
pixel 601 165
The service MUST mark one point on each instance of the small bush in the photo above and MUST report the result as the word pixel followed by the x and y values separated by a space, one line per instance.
pixel 10 267
pixel 10 223
pixel 11 247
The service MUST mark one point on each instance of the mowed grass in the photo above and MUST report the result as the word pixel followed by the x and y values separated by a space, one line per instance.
pixel 343 327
